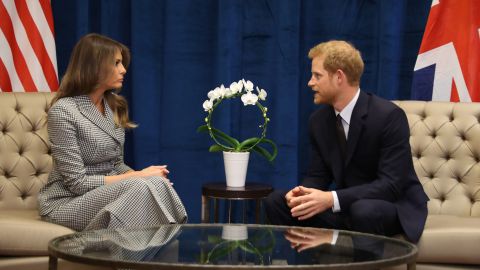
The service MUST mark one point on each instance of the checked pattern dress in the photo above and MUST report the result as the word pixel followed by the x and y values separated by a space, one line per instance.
pixel 87 146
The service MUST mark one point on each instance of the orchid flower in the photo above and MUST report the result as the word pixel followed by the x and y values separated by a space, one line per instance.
pixel 248 85
pixel 262 94
pixel 249 99
pixel 207 105
pixel 236 87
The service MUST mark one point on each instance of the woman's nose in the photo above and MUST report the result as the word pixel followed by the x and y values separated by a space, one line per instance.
pixel 122 70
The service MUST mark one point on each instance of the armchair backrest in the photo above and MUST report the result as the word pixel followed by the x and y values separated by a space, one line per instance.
pixel 25 159
pixel 445 143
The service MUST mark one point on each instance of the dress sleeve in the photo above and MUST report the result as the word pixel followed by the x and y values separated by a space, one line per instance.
pixel 66 153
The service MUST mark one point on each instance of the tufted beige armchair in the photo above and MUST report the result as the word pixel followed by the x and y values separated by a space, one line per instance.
pixel 445 143
pixel 25 163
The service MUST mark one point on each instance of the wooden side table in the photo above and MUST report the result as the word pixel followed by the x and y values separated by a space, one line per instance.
pixel 215 191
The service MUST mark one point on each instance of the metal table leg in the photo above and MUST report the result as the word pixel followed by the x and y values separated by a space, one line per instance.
pixel 229 211
pixel 215 209
pixel 52 262
pixel 244 214
pixel 258 209
pixel 205 215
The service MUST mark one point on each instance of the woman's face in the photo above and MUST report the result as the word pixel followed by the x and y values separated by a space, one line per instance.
pixel 114 79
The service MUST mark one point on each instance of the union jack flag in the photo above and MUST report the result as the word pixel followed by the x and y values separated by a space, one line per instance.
pixel 448 63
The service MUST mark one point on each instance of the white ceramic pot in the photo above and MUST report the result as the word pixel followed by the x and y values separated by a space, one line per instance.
pixel 236 165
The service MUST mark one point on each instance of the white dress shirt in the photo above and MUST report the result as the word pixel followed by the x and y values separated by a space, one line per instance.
pixel 346 115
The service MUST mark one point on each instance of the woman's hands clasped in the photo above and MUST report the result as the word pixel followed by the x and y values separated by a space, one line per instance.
pixel 155 170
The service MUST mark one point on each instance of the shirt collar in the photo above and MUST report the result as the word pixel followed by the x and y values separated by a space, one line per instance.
pixel 346 113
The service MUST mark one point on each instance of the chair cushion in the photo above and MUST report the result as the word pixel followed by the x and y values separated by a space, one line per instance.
pixel 23 233
pixel 450 239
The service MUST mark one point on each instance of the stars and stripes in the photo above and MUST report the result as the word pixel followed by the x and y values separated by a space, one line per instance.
pixel 28 59
pixel 448 64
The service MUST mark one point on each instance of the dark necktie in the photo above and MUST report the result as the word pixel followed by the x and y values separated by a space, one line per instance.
pixel 342 141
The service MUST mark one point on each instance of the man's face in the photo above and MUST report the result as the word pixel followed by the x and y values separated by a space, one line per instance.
pixel 322 83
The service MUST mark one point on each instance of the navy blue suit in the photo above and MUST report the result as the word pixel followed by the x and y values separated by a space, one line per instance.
pixel 378 168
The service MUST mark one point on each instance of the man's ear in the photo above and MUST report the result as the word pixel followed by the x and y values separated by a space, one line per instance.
pixel 340 76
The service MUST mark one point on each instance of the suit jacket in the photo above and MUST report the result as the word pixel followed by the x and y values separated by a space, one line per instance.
pixel 85 146
pixel 378 163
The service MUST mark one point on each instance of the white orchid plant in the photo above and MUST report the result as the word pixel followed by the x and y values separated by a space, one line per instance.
pixel 223 142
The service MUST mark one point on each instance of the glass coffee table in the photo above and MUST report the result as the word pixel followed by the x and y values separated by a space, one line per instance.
pixel 227 246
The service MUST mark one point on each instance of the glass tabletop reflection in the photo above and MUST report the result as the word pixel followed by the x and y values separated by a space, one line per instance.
pixel 231 246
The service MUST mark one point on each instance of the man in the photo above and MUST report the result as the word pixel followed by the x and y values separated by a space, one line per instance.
pixel 360 145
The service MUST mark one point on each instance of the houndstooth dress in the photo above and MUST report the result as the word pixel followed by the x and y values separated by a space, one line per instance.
pixel 87 146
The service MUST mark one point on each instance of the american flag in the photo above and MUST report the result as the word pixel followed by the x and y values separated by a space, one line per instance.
pixel 448 64
pixel 28 59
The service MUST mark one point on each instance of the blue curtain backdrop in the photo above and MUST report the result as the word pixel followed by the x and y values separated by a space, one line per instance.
pixel 181 49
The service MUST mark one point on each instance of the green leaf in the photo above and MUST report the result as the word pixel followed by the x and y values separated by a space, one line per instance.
pixel 217 148
pixel 219 251
pixel 264 152
pixel 214 239
pixel 203 128
pixel 249 247
pixel 232 141
pixel 247 143
pixel 220 135
pixel 265 237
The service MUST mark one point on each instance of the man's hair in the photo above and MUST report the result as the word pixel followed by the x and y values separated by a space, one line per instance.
pixel 340 55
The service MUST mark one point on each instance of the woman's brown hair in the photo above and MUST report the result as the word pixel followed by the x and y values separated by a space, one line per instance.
pixel 91 61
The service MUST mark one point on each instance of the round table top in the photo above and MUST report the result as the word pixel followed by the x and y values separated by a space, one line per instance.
pixel 222 246
pixel 249 191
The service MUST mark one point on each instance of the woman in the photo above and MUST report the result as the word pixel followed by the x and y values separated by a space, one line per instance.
pixel 90 187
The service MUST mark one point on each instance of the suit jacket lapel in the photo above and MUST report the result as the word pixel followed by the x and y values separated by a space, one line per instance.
pixel 356 125
pixel 104 122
